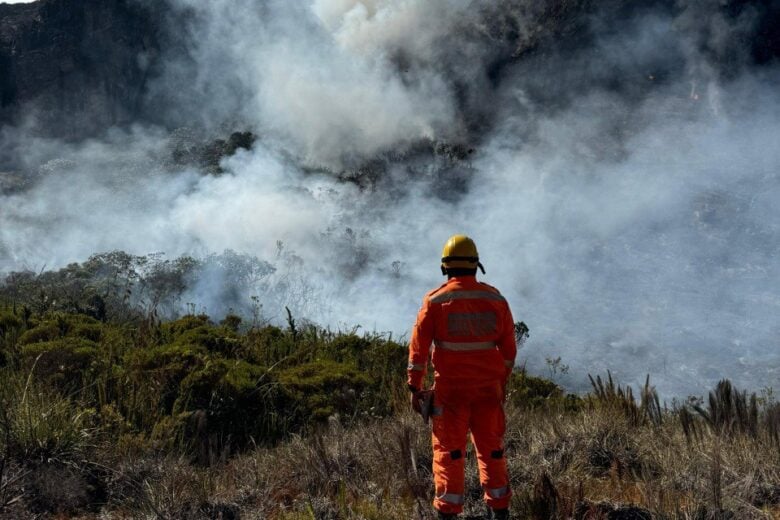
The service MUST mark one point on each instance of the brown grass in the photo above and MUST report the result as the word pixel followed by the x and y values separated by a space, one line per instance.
pixel 612 458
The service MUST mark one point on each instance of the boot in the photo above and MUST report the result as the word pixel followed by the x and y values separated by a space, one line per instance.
pixel 446 516
pixel 499 514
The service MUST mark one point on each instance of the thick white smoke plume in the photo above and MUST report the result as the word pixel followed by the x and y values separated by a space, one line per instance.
pixel 622 191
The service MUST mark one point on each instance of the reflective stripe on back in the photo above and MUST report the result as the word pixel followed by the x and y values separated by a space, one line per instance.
pixel 466 295
pixel 465 346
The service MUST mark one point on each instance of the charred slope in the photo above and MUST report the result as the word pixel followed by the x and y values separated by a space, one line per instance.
pixel 80 66
pixel 77 65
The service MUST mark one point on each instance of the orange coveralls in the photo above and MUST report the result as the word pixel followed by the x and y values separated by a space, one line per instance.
pixel 472 330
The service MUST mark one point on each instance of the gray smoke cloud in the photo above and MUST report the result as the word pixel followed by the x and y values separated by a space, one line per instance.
pixel 621 191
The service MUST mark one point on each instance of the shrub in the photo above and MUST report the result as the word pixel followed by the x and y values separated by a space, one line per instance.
pixel 348 348
pixel 90 331
pixel 219 380
pixel 236 398
pixel 152 379
pixel 176 328
pixel 268 345
pixel 9 323
pixel 64 363
pixel 232 322
pixel 530 392
pixel 198 330
pixel 44 331
pixel 320 389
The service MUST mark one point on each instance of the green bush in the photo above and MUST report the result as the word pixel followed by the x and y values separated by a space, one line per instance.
pixel 65 363
pixel 176 328
pixel 198 330
pixel 348 348
pixel 268 345
pixel 215 339
pixel 530 392
pixel 236 399
pixel 90 331
pixel 56 325
pixel 174 384
pixel 320 389
pixel 232 322
pixel 44 331
pixel 382 360
pixel 9 323
pixel 152 377
pixel 218 380
pixel 219 387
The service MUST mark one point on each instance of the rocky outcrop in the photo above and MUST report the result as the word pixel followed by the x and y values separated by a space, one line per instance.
pixel 76 66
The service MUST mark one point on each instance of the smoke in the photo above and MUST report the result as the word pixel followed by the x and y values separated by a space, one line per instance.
pixel 618 170
pixel 324 96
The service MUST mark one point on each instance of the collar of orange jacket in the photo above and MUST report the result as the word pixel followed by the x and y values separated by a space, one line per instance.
pixel 463 280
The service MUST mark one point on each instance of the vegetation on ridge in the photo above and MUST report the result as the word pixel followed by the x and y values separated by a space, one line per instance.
pixel 129 416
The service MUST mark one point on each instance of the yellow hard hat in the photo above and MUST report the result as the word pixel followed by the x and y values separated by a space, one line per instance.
pixel 460 252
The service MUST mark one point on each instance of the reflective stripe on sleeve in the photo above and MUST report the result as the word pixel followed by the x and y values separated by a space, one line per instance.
pixel 466 346
pixel 414 367
pixel 497 492
pixel 451 498
pixel 466 295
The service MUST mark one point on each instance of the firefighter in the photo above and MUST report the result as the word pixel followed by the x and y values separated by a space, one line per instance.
pixel 472 331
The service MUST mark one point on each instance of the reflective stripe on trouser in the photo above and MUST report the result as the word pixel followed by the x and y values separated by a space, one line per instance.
pixel 451 498
pixel 480 410
pixel 498 492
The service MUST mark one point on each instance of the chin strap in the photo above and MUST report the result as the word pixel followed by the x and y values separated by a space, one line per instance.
pixel 481 268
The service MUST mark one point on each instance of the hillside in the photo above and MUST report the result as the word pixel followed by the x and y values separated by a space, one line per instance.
pixel 193 419
pixel 81 66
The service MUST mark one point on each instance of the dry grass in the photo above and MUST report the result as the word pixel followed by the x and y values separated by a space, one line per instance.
pixel 613 458
pixel 583 465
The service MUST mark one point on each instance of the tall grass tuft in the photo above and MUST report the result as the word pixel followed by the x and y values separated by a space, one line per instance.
pixel 41 424
pixel 771 423
pixel 729 411
pixel 607 394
